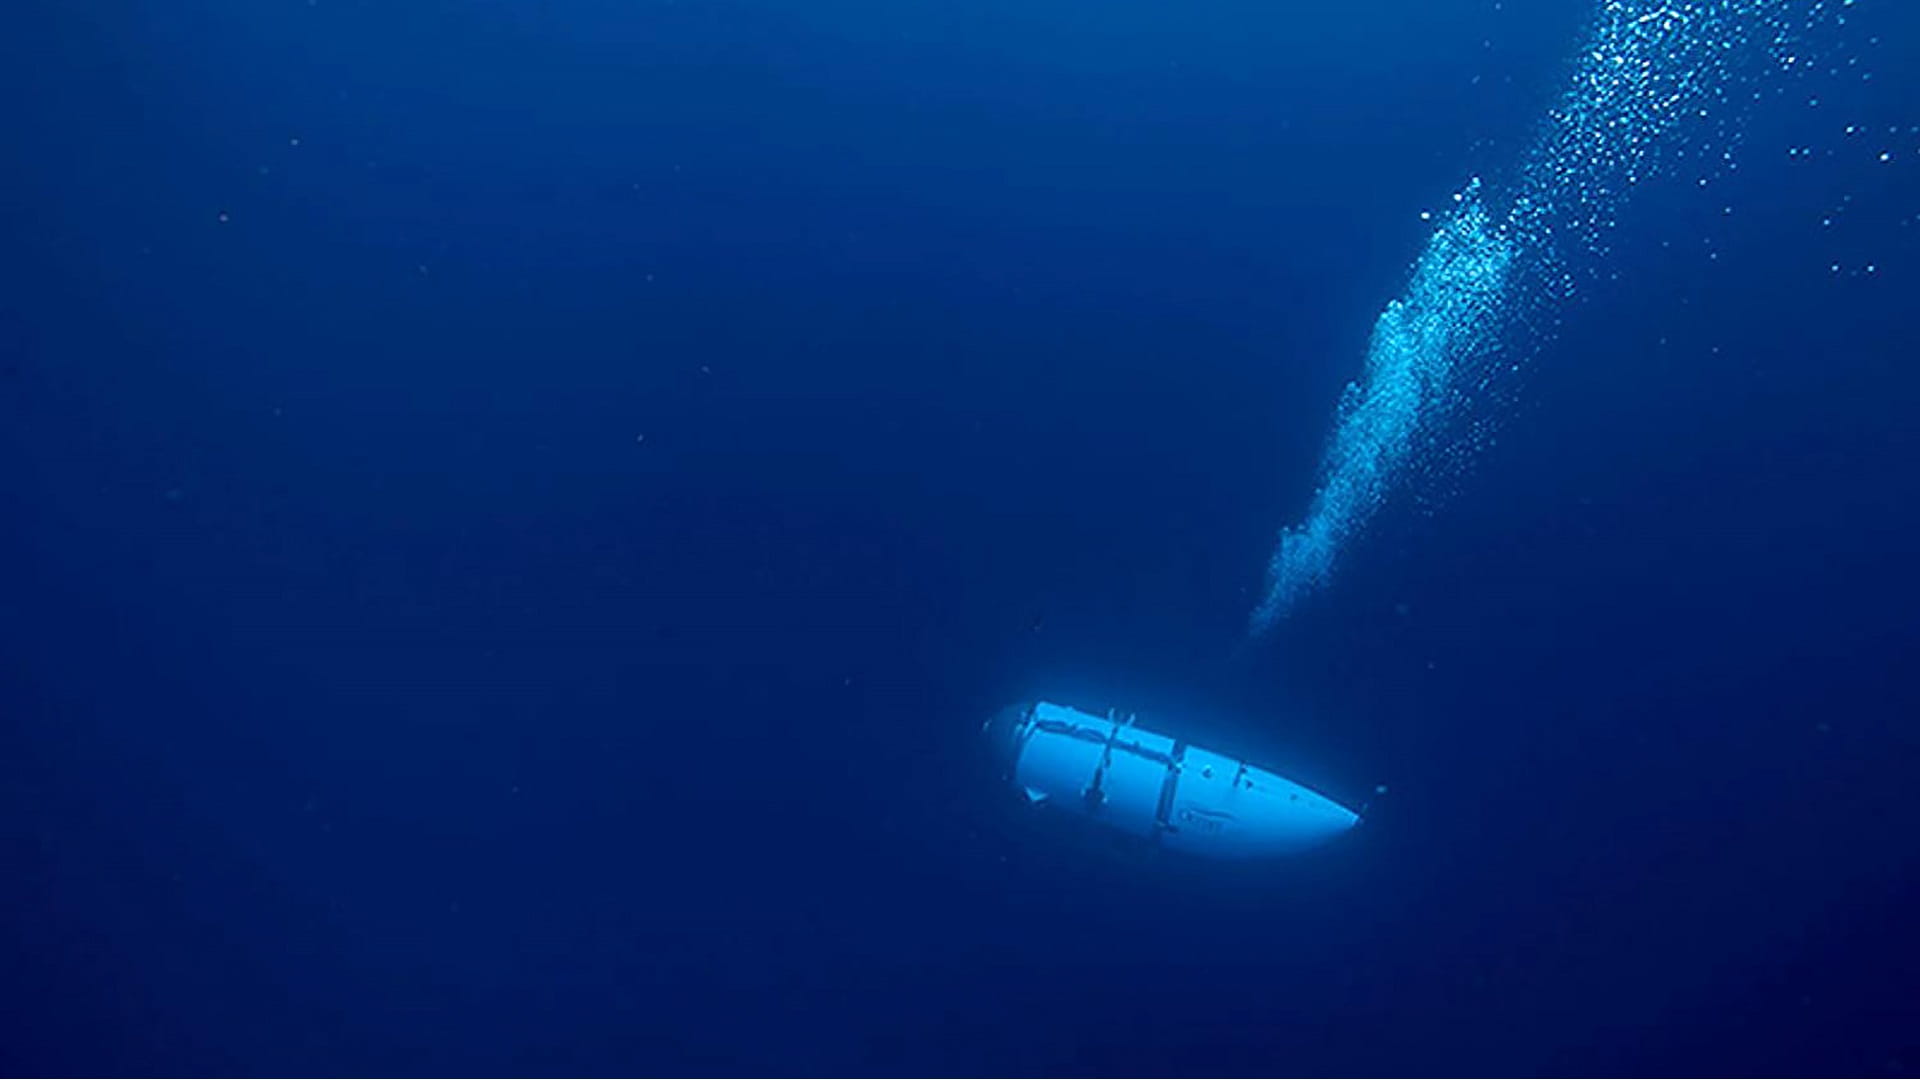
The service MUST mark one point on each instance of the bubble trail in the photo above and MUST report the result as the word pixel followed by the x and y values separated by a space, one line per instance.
pixel 1473 303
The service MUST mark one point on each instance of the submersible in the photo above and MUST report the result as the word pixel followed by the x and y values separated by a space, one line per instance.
pixel 1157 787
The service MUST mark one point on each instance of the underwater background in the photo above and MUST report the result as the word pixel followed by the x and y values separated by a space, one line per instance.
pixel 516 510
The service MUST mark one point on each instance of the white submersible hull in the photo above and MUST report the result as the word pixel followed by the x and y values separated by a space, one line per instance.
pixel 1157 787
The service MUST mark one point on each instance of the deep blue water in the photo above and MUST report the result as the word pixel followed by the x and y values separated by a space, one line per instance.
pixel 516 510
